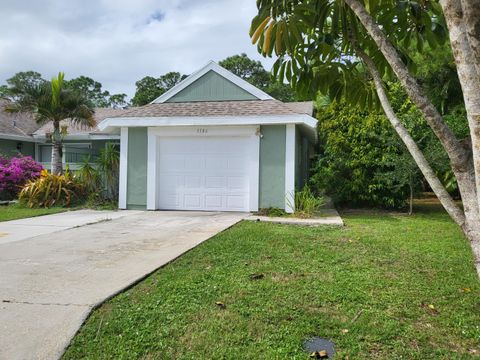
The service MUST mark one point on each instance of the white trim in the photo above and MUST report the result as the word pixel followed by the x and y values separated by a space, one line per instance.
pixel 290 168
pixel 17 137
pixel 43 138
pixel 254 170
pixel 122 191
pixel 203 131
pixel 212 66
pixel 152 170
pixel 109 124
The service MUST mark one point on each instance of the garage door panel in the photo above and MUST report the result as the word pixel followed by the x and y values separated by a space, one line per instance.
pixel 203 173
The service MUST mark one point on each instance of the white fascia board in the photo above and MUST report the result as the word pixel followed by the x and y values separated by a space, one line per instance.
pixel 110 124
pixel 17 137
pixel 212 66
pixel 43 138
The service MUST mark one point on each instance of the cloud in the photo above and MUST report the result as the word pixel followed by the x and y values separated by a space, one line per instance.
pixel 117 42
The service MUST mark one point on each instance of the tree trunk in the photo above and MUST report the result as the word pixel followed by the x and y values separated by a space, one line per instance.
pixel 468 75
pixel 445 199
pixel 459 155
pixel 471 13
pixel 57 153
pixel 410 205
pixel 468 222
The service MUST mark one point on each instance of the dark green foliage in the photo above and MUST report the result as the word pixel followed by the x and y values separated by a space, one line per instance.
pixel 149 88
pixel 357 150
pixel 88 88
pixel 254 72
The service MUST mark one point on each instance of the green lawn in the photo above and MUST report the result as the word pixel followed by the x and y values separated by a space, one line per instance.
pixel 14 212
pixel 383 287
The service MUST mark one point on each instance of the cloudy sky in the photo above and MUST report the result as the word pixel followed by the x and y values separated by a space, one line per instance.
pixel 117 42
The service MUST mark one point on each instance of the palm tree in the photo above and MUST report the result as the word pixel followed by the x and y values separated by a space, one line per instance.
pixel 52 102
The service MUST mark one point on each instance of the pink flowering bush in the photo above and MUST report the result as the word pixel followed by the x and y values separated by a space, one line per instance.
pixel 14 173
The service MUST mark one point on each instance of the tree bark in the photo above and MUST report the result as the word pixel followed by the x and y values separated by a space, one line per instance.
pixel 57 153
pixel 445 199
pixel 460 156
pixel 471 13
pixel 457 154
pixel 468 75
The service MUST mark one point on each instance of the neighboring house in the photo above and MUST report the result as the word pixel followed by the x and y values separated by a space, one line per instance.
pixel 20 134
pixel 16 133
pixel 213 142
pixel 80 142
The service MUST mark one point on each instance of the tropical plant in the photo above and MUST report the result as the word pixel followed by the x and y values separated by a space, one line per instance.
pixel 109 166
pixel 101 179
pixel 53 102
pixel 52 189
pixel 305 202
pixel 348 48
pixel 14 173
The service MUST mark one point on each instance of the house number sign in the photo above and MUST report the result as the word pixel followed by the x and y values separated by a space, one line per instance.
pixel 202 131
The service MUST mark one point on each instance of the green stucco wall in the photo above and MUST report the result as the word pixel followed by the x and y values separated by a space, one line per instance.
pixel 137 168
pixel 272 166
pixel 9 147
pixel 211 87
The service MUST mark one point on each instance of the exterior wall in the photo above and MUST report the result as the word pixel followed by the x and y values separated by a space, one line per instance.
pixel 272 166
pixel 137 168
pixel 9 147
pixel 212 87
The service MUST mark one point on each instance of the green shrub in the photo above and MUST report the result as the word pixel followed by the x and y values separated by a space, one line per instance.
pixel 305 202
pixel 49 190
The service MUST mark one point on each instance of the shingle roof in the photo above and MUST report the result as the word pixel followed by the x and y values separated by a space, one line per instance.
pixel 214 108
pixel 18 124
pixel 75 129
pixel 301 107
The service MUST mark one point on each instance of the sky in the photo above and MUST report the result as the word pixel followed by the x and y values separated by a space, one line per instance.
pixel 117 42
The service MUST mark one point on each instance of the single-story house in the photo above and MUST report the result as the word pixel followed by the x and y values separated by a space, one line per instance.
pixel 213 142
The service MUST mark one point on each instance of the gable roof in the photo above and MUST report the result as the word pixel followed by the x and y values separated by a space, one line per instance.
pixel 18 126
pixel 212 66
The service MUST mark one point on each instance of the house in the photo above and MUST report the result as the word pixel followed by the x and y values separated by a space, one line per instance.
pixel 213 142
pixel 20 134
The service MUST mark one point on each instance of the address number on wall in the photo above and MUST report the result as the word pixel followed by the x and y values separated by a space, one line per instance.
pixel 202 131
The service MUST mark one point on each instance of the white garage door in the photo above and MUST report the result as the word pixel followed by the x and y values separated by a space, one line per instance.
pixel 203 173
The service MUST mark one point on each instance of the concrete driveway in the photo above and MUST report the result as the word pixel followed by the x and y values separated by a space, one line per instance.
pixel 49 283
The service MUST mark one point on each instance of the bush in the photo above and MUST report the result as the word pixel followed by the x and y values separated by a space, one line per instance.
pixel 101 178
pixel 50 189
pixel 16 172
pixel 306 203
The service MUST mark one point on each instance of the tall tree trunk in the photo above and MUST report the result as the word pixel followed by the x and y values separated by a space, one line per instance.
pixel 468 75
pixel 471 13
pixel 446 200
pixel 460 158
pixel 57 147
pixel 468 222
pixel 456 152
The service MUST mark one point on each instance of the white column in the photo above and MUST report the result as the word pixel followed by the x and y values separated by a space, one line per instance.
pixel 122 191
pixel 290 168
pixel 152 194
pixel 254 171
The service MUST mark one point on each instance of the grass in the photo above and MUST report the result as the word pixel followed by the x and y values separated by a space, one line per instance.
pixel 17 211
pixel 387 286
